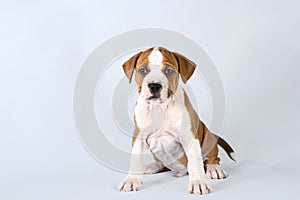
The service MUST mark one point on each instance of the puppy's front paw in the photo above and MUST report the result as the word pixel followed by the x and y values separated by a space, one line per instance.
pixel 130 183
pixel 214 171
pixel 199 186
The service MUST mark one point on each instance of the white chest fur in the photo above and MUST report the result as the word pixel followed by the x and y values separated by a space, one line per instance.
pixel 160 127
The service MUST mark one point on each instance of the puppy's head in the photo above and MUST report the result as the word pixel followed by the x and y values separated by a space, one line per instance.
pixel 157 73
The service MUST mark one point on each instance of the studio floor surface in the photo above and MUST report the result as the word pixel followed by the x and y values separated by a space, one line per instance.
pixel 247 180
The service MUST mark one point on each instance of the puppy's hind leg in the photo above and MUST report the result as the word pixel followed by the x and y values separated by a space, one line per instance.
pixel 212 165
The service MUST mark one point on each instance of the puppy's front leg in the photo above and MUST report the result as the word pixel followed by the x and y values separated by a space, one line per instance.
pixel 133 180
pixel 197 179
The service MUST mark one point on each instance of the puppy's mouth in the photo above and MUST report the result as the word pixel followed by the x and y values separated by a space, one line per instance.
pixel 154 97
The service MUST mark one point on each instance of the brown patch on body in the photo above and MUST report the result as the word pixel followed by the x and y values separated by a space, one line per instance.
pixel 208 142
pixel 136 132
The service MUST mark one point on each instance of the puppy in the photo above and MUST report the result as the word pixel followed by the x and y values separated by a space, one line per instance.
pixel 167 124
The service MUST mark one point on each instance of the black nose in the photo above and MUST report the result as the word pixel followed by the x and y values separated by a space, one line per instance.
pixel 155 87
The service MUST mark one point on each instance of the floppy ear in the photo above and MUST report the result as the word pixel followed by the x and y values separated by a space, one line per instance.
pixel 186 67
pixel 129 65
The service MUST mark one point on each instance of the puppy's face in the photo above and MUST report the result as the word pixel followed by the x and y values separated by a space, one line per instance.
pixel 157 73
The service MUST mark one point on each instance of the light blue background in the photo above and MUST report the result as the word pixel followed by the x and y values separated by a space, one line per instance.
pixel 255 46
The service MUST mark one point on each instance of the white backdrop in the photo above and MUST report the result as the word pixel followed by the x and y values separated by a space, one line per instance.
pixel 255 46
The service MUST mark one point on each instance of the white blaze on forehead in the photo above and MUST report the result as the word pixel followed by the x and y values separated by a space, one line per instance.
pixel 155 74
pixel 155 57
pixel 155 64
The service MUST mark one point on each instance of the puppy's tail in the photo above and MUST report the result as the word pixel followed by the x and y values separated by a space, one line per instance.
pixel 228 149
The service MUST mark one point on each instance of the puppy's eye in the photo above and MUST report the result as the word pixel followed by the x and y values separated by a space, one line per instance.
pixel 143 70
pixel 168 71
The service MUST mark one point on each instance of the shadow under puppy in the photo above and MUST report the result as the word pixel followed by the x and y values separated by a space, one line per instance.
pixel 167 124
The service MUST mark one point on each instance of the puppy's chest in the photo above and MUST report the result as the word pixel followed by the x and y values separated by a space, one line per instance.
pixel 167 149
pixel 156 118
pixel 159 126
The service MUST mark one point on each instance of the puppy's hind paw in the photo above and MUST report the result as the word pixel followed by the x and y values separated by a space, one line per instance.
pixel 214 171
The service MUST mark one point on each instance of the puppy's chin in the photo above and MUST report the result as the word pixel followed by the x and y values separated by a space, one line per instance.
pixel 155 100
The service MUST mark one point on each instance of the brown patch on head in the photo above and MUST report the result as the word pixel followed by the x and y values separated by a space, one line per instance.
pixel 173 79
pixel 186 67
pixel 143 59
pixel 135 62
pixel 169 61
pixel 129 65
pixel 180 63
pixel 142 62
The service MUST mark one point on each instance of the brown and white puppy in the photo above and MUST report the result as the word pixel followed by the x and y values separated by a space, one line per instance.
pixel 167 124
